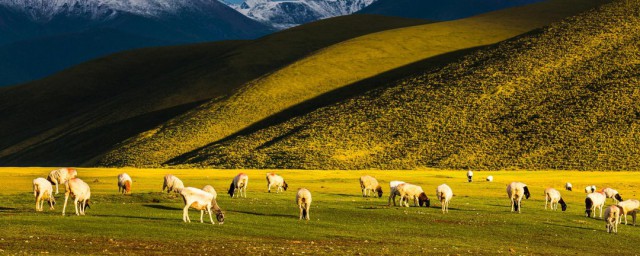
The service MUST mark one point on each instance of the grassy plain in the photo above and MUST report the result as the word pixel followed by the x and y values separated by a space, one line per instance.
pixel 149 222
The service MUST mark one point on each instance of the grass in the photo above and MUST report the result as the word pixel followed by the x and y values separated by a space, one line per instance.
pixel 479 221
pixel 329 69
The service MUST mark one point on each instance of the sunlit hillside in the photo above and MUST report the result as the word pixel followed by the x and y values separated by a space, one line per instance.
pixel 565 97
pixel 367 61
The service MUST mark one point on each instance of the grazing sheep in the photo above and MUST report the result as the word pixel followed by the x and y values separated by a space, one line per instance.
pixel 81 193
pixel 200 200
pixel 490 178
pixel 393 191
pixel 470 176
pixel 612 193
pixel 369 184
pixel 593 201
pixel 553 197
pixel 61 176
pixel 515 191
pixel 276 180
pixel 211 190
pixel 629 206
pixel 42 190
pixel 612 216
pixel 124 183
pixel 172 184
pixel 239 185
pixel 303 199
pixel 568 186
pixel 409 191
pixel 444 194
pixel 590 189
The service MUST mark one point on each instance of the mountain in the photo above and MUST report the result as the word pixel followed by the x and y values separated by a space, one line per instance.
pixel 28 27
pixel 339 70
pixel 439 9
pixel 285 14
pixel 81 113
pixel 564 97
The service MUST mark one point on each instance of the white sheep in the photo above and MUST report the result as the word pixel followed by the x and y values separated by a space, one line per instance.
pixel 593 201
pixel 369 184
pixel 613 194
pixel 515 191
pixel 629 206
pixel 409 191
pixel 211 190
pixel 239 185
pixel 444 194
pixel 81 194
pixel 553 198
pixel 172 184
pixel 470 176
pixel 393 191
pixel 303 199
pixel 590 189
pixel 124 183
pixel 200 200
pixel 277 181
pixel 568 186
pixel 611 217
pixel 60 176
pixel 42 190
pixel 490 178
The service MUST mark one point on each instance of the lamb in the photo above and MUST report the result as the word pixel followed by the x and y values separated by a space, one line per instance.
pixel 239 185
pixel 81 194
pixel 444 194
pixel 277 181
pixel 369 184
pixel 515 191
pixel 629 206
pixel 593 201
pixel 172 184
pixel 42 190
pixel 590 189
pixel 409 191
pixel 60 176
pixel 553 197
pixel 211 190
pixel 612 193
pixel 124 183
pixel 200 200
pixel 568 186
pixel 612 216
pixel 470 176
pixel 490 178
pixel 303 199
pixel 393 191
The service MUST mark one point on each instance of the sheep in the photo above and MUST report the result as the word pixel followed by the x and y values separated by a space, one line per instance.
pixel 470 176
pixel 303 199
pixel 239 185
pixel 553 197
pixel 629 206
pixel 172 184
pixel 124 183
pixel 613 194
pixel 211 190
pixel 60 176
pixel 444 194
pixel 393 191
pixel 81 194
pixel 590 189
pixel 409 191
pixel 42 190
pixel 276 180
pixel 515 191
pixel 200 200
pixel 369 184
pixel 490 178
pixel 593 201
pixel 568 186
pixel 611 217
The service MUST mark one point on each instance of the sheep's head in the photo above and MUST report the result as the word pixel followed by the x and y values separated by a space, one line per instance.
pixel 569 188
pixel 423 199
pixel 87 204
pixel 220 217
pixel 618 197
pixel 285 186
pixel 379 190
pixel 127 187
pixel 526 192
pixel 563 204
pixel 231 189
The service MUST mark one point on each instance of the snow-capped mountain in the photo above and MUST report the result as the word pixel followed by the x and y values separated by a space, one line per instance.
pixel 288 13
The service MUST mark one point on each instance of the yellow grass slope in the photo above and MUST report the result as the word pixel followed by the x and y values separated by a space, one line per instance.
pixel 332 68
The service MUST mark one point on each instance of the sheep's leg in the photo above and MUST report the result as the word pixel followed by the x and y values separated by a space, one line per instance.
pixel 512 205
pixel 185 213
pixel 64 207
pixel 300 211
pixel 38 197
pixel 75 203
pixel 269 188
pixel 210 217
pixel 57 192
pixel 546 199
pixel 307 206
pixel 201 215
